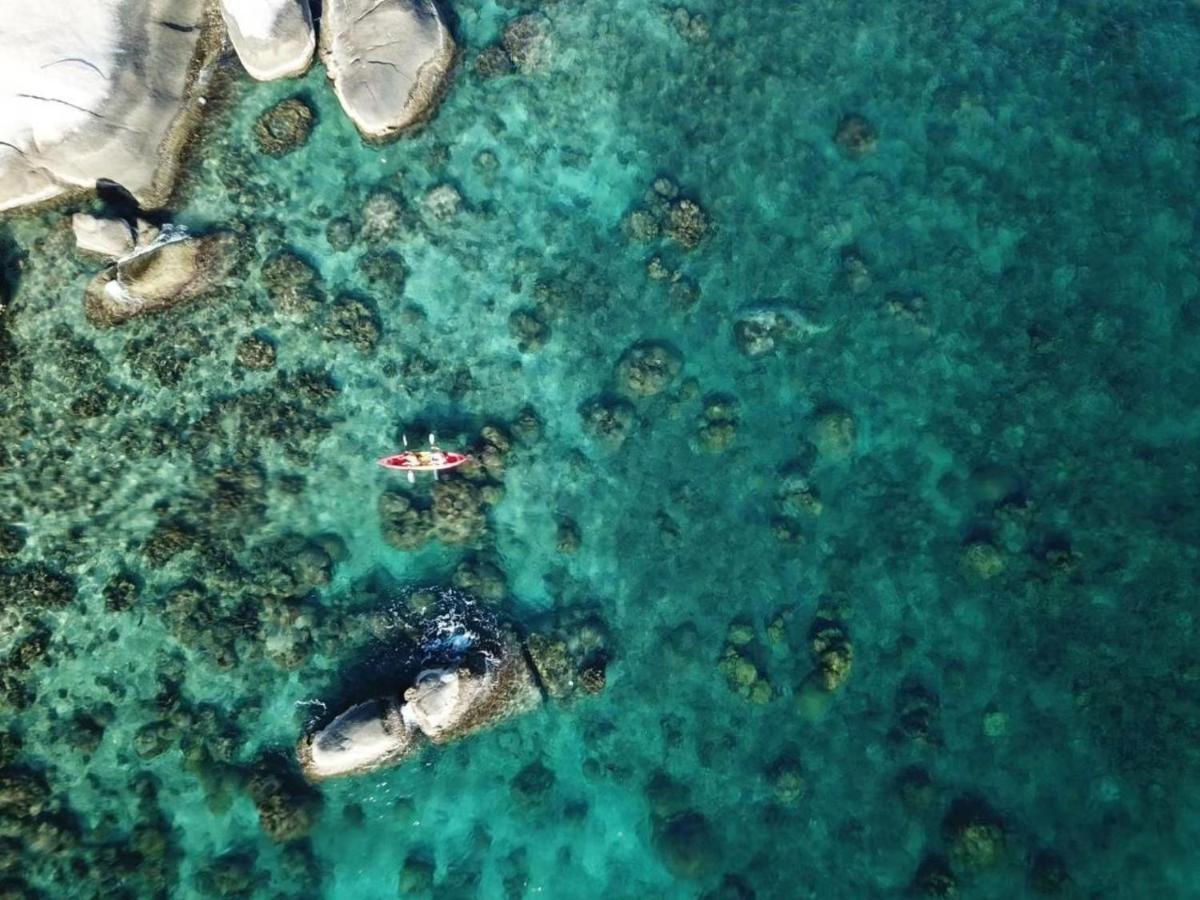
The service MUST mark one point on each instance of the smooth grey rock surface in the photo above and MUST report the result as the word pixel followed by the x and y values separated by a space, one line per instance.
pixel 102 237
pixel 93 89
pixel 388 60
pixel 273 38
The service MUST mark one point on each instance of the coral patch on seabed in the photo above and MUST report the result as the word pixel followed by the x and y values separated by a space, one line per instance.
pixel 828 373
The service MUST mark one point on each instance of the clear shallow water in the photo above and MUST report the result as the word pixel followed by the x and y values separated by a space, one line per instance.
pixel 1017 355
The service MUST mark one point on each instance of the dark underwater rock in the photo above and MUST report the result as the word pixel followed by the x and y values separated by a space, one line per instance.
pixel 465 684
pixel 974 834
pixel 687 844
pixel 284 127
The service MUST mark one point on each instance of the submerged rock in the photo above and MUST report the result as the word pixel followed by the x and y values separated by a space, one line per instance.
pixel 158 278
pixel 934 879
pixel 284 127
pixel 855 136
pixel 832 652
pixel 687 844
pixel 388 60
pixel 760 330
pixel 273 38
pixel 100 89
pixel 974 832
pixel 526 41
pixel 648 368
pixel 608 419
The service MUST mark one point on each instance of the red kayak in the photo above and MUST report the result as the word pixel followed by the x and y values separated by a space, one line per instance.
pixel 432 460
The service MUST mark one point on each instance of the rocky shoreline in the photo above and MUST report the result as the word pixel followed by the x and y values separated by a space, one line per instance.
pixel 116 101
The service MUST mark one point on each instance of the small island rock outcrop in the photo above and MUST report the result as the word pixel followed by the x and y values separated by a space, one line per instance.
pixel 465 687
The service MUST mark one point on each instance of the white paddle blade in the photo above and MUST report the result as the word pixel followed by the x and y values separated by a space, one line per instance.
pixel 412 478
pixel 404 439
pixel 432 439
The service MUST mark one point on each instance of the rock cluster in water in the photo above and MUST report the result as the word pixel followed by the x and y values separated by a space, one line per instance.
pixel 101 89
pixel 472 672
pixel 114 97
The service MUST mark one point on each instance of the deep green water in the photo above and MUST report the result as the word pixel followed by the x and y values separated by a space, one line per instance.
pixel 999 422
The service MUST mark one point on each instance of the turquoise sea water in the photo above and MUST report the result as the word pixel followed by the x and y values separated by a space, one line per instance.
pixel 980 465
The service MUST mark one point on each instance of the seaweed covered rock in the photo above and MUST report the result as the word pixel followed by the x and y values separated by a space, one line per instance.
pixel 665 212
pixel 933 878
pixel 981 559
pixel 287 806
pixel 787 781
pixel 481 575
pixel 914 786
pixel 528 329
pixel 916 714
pixel 648 368
pixel 458 513
pixel 718 424
pixel 570 651
pixel 493 62
pixel 354 320
pixel 255 352
pixel 442 202
pixel 568 538
pixel 416 875
pixel 284 127
pixel 834 432
pixel 12 541
pixel 974 834
pixel 35 587
pixel 158 278
pixel 533 783
pixel 737 664
pixel 382 216
pixel 291 283
pixel 855 136
pixel 764 328
pixel 832 652
pixel 1048 875
pixel 526 41
pixel 687 223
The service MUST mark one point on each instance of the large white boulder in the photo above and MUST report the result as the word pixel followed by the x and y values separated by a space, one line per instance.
pixel 439 700
pixel 93 89
pixel 363 738
pixel 109 238
pixel 273 38
pixel 160 276
pixel 388 60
